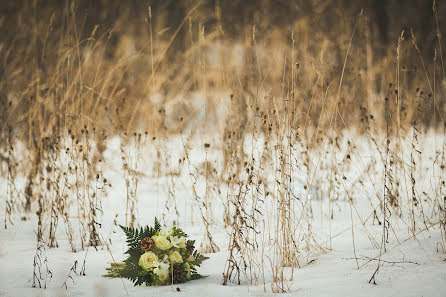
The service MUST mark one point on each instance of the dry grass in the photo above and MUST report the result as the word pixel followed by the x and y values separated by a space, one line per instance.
pixel 279 106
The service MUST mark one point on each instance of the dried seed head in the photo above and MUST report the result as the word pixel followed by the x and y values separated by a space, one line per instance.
pixel 147 244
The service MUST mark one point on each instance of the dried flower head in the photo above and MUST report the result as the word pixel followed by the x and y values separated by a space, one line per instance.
pixel 147 244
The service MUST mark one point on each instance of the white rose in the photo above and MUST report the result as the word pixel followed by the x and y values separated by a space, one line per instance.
pixel 162 242
pixel 147 259
pixel 175 257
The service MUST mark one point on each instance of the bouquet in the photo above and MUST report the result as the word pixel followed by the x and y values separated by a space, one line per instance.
pixel 158 256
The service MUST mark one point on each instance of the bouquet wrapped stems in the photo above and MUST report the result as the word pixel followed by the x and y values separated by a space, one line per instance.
pixel 115 269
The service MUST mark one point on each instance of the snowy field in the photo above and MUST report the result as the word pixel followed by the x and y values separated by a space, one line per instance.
pixel 347 256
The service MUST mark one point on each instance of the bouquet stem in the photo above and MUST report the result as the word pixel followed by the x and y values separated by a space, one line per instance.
pixel 115 269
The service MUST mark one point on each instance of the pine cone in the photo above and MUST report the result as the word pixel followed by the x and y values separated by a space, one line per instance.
pixel 147 244
pixel 190 247
pixel 178 274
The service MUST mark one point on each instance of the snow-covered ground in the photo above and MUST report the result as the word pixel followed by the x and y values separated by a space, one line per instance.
pixel 412 265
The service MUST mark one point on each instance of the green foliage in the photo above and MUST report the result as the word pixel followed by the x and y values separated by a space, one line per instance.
pixel 135 235
pixel 199 258
pixel 195 276
pixel 178 232
pixel 134 272
pixel 130 268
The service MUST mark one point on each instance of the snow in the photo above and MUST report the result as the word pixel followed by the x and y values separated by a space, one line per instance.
pixel 412 265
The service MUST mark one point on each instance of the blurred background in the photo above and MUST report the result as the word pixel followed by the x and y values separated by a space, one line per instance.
pixel 166 66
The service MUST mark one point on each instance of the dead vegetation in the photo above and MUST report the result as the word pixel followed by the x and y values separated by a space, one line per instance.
pixel 274 121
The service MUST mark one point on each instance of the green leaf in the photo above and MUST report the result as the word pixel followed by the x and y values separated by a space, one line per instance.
pixel 157 224
pixel 199 258
pixel 197 276
pixel 178 232
pixel 135 235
